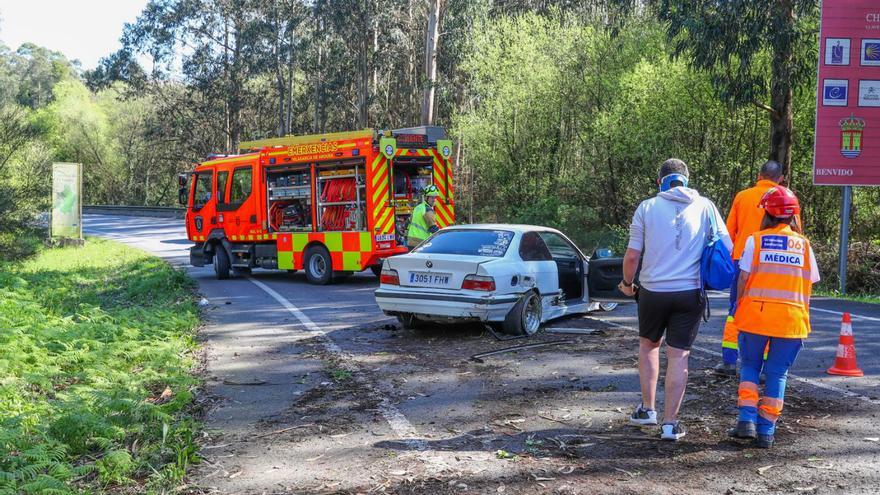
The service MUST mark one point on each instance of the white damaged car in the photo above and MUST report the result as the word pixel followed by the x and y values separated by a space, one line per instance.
pixel 515 277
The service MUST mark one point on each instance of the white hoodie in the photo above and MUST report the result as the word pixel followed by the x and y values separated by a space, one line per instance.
pixel 671 230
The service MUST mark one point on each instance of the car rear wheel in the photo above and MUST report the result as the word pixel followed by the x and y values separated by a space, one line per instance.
pixel 318 265
pixel 221 262
pixel 525 317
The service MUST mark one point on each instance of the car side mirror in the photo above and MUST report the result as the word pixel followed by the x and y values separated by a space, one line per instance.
pixel 602 253
pixel 182 196
pixel 181 180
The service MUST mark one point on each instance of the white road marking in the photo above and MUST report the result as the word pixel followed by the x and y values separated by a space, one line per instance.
pixel 838 313
pixel 808 381
pixel 398 422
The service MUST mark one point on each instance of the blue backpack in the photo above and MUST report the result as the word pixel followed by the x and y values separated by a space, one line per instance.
pixel 716 265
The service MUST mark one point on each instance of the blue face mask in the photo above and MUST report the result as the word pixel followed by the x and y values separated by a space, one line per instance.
pixel 666 182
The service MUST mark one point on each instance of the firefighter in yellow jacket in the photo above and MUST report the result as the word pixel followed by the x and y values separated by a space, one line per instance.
pixel 778 269
pixel 423 222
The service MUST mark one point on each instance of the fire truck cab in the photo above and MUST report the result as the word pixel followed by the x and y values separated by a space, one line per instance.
pixel 328 204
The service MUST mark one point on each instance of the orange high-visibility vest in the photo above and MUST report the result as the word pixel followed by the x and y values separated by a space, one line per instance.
pixel 776 299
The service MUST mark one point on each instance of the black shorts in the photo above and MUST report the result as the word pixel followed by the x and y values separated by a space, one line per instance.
pixel 675 313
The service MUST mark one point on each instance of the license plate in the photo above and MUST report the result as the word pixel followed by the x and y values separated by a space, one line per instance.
pixel 427 279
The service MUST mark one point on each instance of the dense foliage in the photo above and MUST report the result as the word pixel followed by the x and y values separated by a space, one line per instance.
pixel 563 109
pixel 95 361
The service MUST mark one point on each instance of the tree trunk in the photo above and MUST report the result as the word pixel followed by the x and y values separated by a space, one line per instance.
pixel 364 96
pixel 410 70
pixel 290 73
pixel 226 110
pixel 374 56
pixel 280 83
pixel 236 100
pixel 781 96
pixel 431 63
pixel 319 33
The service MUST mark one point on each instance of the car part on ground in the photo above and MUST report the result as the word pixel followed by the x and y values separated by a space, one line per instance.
pixel 479 357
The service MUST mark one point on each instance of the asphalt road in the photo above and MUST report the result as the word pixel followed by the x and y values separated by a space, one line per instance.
pixel 312 390
pixel 343 305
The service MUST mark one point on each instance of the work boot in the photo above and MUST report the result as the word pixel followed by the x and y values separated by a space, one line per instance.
pixel 744 430
pixel 726 369
pixel 764 441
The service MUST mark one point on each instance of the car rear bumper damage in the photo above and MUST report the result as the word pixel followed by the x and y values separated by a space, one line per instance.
pixel 455 306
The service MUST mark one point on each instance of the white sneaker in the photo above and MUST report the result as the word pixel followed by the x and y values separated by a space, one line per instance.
pixel 643 416
pixel 672 431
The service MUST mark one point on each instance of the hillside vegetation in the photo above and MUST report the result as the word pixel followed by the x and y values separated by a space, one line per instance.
pixel 562 110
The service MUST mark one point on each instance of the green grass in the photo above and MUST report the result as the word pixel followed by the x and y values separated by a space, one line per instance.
pixel 848 297
pixel 89 340
pixel 339 375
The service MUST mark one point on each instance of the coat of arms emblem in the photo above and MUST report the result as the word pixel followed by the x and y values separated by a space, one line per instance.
pixel 851 136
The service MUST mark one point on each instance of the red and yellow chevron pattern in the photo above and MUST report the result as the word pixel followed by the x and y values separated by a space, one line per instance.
pixel 350 251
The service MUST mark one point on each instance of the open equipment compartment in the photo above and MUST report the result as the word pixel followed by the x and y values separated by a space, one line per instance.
pixel 289 198
pixel 410 176
pixel 341 196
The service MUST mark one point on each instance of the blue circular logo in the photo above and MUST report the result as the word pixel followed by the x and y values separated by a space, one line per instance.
pixel 446 151
pixel 389 150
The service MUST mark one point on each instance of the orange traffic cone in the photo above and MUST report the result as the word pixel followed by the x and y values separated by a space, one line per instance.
pixel 845 364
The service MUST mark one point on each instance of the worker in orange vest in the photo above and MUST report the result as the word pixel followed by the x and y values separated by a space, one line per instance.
pixel 777 272
pixel 744 220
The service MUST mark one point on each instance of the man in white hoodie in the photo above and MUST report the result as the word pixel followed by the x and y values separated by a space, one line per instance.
pixel 668 233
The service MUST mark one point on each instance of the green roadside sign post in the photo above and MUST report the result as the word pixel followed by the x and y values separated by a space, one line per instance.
pixel 67 201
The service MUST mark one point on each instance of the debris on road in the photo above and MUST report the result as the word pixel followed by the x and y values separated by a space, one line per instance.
pixel 282 430
pixel 624 471
pixel 479 357
pixel 762 470
pixel 251 383
pixel 578 331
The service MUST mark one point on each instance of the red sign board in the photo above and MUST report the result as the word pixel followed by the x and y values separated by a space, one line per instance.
pixel 848 95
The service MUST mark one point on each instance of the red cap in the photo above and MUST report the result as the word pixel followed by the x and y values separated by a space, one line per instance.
pixel 779 201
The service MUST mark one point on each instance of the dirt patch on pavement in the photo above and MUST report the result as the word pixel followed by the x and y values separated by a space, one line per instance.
pixel 543 420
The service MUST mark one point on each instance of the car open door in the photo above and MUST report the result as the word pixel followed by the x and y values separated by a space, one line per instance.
pixel 603 275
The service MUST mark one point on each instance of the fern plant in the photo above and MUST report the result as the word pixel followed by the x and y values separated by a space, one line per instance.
pixel 87 340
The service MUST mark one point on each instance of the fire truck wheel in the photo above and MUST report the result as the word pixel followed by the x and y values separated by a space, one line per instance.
pixel 376 269
pixel 221 262
pixel 318 265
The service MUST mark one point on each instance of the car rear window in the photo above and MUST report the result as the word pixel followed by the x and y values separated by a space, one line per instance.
pixel 491 243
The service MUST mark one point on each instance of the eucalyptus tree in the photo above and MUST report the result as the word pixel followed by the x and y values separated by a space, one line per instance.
pixel 755 51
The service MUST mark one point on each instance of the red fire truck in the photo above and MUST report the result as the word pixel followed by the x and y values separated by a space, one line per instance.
pixel 328 204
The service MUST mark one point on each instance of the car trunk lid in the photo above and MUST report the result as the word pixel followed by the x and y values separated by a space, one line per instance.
pixel 442 271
